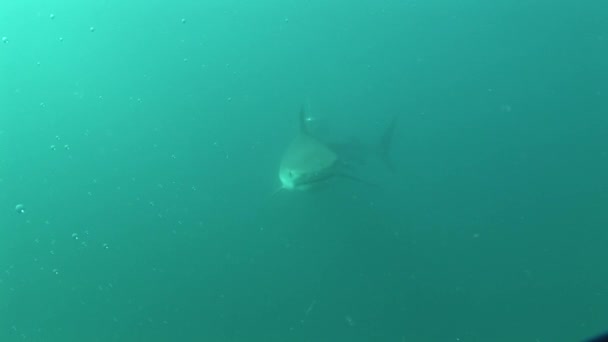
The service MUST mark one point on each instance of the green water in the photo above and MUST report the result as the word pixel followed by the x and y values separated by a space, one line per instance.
pixel 143 140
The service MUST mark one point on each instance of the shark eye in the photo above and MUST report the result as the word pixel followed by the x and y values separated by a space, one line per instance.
pixel 290 174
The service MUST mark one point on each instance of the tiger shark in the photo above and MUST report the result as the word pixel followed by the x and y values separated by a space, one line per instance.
pixel 308 161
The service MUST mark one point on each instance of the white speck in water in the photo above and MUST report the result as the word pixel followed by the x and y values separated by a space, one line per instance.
pixel 20 208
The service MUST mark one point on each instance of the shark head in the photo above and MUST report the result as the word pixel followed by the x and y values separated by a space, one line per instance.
pixel 291 179
pixel 306 161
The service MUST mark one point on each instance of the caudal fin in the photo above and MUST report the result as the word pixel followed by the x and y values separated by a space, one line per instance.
pixel 384 148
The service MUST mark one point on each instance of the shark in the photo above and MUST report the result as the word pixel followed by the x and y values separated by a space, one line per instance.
pixel 309 162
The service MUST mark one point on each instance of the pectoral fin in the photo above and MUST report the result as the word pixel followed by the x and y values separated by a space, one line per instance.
pixel 356 179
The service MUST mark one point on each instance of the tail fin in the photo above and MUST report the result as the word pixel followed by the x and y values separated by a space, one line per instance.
pixel 385 144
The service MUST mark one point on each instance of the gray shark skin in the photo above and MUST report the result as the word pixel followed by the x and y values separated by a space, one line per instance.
pixel 308 161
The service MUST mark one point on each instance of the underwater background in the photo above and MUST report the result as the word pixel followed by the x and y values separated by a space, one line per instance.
pixel 139 151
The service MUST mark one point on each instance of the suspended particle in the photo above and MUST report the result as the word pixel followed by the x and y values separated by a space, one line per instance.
pixel 20 208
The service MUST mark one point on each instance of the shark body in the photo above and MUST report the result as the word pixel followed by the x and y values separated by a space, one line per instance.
pixel 308 161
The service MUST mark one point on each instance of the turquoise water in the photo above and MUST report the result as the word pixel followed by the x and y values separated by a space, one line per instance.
pixel 142 140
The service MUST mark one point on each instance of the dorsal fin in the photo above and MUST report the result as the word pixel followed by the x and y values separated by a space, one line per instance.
pixel 385 144
pixel 303 121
